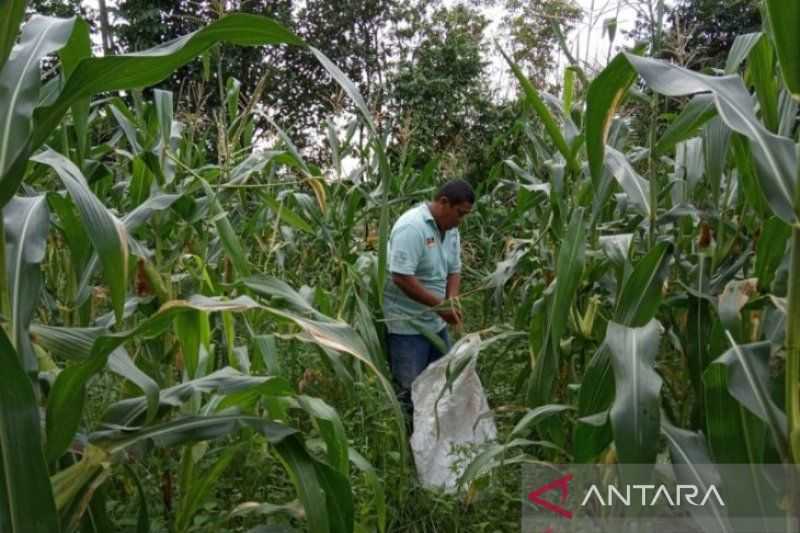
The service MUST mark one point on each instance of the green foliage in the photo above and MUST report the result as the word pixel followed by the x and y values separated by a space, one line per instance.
pixel 534 33
pixel 195 306
pixel 438 90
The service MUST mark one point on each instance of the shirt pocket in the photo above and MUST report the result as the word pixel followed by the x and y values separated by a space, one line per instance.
pixel 426 262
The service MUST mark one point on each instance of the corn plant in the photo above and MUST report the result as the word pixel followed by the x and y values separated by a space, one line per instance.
pixel 171 309
pixel 660 317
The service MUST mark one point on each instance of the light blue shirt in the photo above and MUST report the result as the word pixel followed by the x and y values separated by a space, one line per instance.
pixel 416 248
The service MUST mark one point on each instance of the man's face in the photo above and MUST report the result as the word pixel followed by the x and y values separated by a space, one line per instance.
pixel 453 214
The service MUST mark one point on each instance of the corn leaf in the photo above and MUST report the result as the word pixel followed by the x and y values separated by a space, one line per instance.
pixel 735 435
pixel 67 396
pixel 99 74
pixel 741 48
pixel 602 101
pixel 26 498
pixel 760 69
pixel 641 295
pixel 693 466
pixel 698 334
pixel 570 264
pixel 635 412
pixel 634 185
pixel 748 382
pixel 11 14
pixel 533 99
pixel 775 156
pixel 77 48
pixel 26 221
pixel 224 382
pixel 784 19
pixel 348 86
pixel 20 82
pixel 697 112
pixel 108 235
pixel 332 430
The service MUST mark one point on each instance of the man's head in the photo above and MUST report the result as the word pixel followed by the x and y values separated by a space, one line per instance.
pixel 453 201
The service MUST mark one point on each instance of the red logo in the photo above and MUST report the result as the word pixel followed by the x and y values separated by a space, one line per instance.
pixel 561 484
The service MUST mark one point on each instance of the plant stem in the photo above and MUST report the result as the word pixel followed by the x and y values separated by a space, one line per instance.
pixel 793 335
pixel 793 349
pixel 654 110
pixel 656 30
pixel 5 302
pixel 792 376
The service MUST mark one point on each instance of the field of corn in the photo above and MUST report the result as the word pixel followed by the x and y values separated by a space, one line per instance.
pixel 191 325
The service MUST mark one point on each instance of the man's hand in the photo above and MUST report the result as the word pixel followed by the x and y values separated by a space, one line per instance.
pixel 414 290
pixel 452 316
pixel 411 286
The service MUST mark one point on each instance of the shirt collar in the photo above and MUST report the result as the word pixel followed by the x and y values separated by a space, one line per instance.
pixel 426 213
pixel 428 216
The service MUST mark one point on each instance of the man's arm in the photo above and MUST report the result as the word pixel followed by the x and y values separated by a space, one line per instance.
pixel 453 285
pixel 411 286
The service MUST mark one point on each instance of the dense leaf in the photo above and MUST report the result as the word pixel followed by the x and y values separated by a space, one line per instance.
pixel 635 412
pixel 95 75
pixel 534 416
pixel 534 100
pixel 783 19
pixel 742 46
pixel 325 494
pixel 770 250
pixel 108 235
pixel 569 267
pixel 748 383
pixel 634 185
pixel 602 101
pixel 11 14
pixel 224 382
pixel 26 494
pixel 77 48
pixel 65 404
pixel 697 112
pixel 25 220
pixel 775 156
pixel 693 466
pixel 641 295
pixel 19 90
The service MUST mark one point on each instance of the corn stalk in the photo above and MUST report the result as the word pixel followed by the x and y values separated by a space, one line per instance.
pixel 793 326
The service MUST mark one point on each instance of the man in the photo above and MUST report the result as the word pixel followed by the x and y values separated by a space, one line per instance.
pixel 425 266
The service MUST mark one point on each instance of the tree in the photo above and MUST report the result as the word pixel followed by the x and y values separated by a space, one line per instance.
pixel 439 89
pixel 298 90
pixel 712 27
pixel 533 28
pixel 699 33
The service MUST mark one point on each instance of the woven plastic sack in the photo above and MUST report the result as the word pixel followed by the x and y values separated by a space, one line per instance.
pixel 465 421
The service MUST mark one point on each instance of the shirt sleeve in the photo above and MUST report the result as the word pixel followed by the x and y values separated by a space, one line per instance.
pixel 454 262
pixel 406 248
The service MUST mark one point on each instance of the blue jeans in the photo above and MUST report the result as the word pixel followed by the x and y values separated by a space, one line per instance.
pixel 409 355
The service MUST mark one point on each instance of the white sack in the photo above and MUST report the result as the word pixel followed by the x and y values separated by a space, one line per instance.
pixel 460 411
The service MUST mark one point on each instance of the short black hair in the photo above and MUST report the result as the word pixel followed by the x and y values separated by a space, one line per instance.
pixel 457 191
